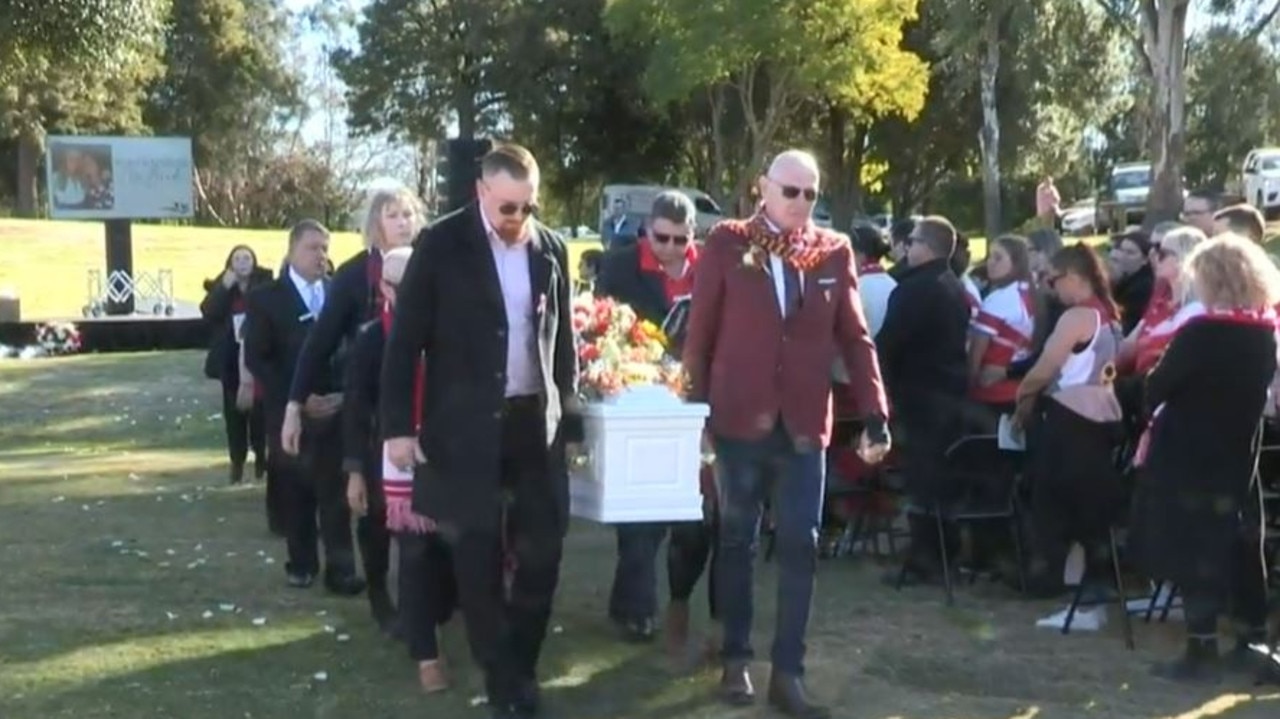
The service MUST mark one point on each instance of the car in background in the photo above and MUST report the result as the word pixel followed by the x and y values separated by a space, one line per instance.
pixel 1260 179
pixel 1080 218
pixel 640 198
pixel 1124 200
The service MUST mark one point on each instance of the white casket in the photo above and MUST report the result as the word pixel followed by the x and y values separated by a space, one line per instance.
pixel 641 461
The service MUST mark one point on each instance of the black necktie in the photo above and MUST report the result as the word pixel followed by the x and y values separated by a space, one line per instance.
pixel 790 288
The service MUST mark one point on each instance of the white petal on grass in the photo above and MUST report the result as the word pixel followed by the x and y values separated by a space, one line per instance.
pixel 171 616
pixel 321 676
pixel 259 621
pixel 226 607
pixel 206 614
pixel 328 629
pixel 343 637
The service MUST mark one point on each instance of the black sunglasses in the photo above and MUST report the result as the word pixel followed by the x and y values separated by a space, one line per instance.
pixel 678 240
pixel 514 208
pixel 1161 252
pixel 791 192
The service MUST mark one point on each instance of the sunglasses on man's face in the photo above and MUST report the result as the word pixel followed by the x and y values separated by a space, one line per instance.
pixel 677 240
pixel 791 192
pixel 515 208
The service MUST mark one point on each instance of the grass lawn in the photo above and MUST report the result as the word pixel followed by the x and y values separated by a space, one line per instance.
pixel 133 582
pixel 46 263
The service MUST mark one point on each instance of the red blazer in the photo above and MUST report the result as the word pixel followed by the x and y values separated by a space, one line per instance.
pixel 751 366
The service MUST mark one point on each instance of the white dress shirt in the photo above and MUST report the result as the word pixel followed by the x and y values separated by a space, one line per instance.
pixel 312 293
pixel 524 377
pixel 779 280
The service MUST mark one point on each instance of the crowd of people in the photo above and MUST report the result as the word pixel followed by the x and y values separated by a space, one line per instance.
pixel 428 386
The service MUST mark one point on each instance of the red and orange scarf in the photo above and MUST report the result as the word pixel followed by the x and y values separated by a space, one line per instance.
pixel 803 248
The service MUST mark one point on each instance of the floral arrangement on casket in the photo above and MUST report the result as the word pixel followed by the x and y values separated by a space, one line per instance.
pixel 618 351
pixel 58 338
pixel 640 458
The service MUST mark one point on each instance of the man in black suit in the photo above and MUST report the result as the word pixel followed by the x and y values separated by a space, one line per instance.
pixel 278 318
pixel 486 299
pixel 651 276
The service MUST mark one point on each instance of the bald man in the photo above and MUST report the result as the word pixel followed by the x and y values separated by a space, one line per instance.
pixel 775 303
pixel 382 502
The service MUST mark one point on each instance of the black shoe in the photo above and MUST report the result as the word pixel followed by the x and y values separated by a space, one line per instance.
pixel 259 469
pixel 237 472
pixel 300 580
pixel 736 688
pixel 528 698
pixel 788 695
pixel 1199 663
pixel 343 585
pixel 637 631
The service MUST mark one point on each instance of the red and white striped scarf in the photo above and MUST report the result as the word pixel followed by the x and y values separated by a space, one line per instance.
pixel 397 487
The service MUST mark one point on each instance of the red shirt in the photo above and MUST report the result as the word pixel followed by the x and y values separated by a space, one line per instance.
pixel 674 286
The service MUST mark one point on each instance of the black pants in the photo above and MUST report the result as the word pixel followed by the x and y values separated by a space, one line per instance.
pixel 244 429
pixel 1243 597
pixel 927 424
pixel 428 591
pixel 313 486
pixel 372 534
pixel 634 595
pixel 506 631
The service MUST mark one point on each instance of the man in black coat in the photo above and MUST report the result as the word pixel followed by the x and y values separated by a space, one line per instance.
pixel 486 299
pixel 922 348
pixel 651 276
pixel 279 316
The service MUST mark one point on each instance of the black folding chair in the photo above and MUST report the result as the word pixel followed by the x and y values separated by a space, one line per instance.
pixel 984 478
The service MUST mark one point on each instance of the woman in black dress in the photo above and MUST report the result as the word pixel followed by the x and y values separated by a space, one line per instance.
pixel 223 309
pixel 1197 517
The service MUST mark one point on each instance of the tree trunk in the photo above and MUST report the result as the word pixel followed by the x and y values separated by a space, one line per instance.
pixel 844 166
pixel 1164 39
pixel 719 163
pixel 29 147
pixel 989 136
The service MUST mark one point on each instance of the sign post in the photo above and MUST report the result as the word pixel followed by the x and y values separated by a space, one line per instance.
pixel 118 180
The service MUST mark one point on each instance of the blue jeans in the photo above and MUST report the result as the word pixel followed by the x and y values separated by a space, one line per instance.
pixel 747 471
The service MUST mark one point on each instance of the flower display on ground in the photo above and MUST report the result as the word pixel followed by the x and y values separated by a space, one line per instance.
pixel 58 338
pixel 617 350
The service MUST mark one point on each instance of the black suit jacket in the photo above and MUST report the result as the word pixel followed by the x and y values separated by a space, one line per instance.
pixel 224 355
pixel 276 327
pixel 348 304
pixel 361 441
pixel 450 307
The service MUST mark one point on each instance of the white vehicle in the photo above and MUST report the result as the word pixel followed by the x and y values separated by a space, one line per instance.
pixel 1260 179
pixel 640 198
pixel 1080 218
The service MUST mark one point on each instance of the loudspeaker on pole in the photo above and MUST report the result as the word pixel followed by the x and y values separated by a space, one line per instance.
pixel 462 170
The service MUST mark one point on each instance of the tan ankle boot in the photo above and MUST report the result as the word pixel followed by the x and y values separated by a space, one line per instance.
pixel 432 676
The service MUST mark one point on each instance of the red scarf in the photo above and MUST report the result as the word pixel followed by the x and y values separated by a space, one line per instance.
pixel 1264 317
pixel 803 248
pixel 399 492
pixel 870 268
pixel 673 286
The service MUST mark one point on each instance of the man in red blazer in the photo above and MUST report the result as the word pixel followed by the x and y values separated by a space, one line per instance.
pixel 775 302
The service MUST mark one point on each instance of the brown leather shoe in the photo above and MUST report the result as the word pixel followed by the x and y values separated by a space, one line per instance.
pixel 675 629
pixel 432 677
pixel 788 695
pixel 736 688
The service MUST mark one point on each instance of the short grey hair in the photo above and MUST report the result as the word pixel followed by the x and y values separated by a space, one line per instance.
pixel 674 207
pixel 1162 229
pixel 302 227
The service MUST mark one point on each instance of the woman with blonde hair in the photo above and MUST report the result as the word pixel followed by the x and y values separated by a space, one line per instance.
pixel 1170 252
pixel 1197 519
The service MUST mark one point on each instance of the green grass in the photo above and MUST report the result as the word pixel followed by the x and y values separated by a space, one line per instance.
pixel 46 263
pixel 118 534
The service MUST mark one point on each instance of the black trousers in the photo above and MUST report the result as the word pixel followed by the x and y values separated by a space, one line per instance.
pixel 1243 597
pixel 505 630
pixel 428 591
pixel 372 534
pixel 634 595
pixel 245 430
pixel 313 487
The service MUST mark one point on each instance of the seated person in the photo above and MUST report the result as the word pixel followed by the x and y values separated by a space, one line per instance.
pixel 1002 332
pixel 1131 278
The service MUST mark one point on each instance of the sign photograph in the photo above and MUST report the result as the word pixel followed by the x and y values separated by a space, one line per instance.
pixel 108 178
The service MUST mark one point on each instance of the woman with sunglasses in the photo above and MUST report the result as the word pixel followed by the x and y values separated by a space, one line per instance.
pixel 652 276
pixel 1067 407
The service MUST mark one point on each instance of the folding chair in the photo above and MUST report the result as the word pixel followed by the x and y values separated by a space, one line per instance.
pixel 1117 576
pixel 985 480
